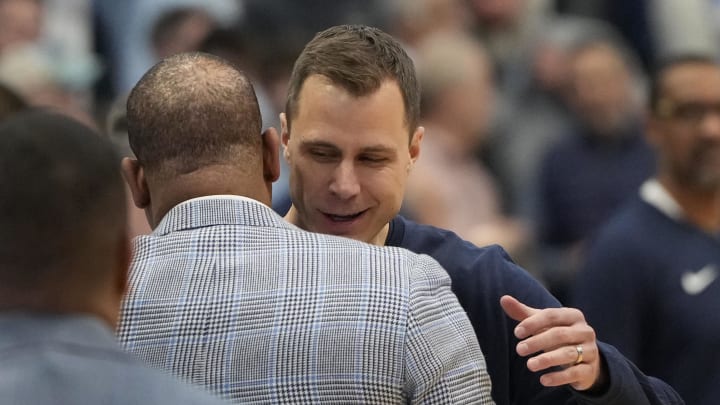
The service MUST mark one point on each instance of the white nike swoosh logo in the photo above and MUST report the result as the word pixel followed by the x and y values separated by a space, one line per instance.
pixel 696 282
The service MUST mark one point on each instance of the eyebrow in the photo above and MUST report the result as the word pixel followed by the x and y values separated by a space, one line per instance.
pixel 310 144
pixel 367 149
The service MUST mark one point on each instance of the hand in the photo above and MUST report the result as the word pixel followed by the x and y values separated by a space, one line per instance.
pixel 555 334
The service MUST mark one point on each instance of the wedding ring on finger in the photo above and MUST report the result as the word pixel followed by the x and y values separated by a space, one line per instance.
pixel 579 350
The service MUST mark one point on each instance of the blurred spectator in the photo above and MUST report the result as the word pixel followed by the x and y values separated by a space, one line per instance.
pixel 590 172
pixel 181 29
pixel 45 54
pixel 650 284
pixel 411 21
pixel 20 22
pixel 655 29
pixel 125 28
pixel 450 188
pixel 278 30
pixel 508 29
pixel 34 75
pixel 537 114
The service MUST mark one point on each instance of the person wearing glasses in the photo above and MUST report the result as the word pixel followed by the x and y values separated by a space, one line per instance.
pixel 650 284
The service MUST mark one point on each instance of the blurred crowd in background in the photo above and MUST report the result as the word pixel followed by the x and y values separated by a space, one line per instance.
pixel 533 108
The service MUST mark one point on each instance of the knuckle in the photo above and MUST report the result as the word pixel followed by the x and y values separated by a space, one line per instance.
pixel 577 314
pixel 553 315
pixel 563 335
pixel 589 334
pixel 574 373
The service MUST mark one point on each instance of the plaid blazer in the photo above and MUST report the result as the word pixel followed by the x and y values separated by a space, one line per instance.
pixel 224 293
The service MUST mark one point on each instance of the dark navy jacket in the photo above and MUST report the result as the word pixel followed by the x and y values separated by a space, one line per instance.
pixel 663 275
pixel 480 276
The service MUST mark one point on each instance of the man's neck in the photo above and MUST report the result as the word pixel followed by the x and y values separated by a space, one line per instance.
pixel 170 192
pixel 701 207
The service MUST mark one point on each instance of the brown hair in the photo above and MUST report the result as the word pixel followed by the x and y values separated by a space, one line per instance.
pixel 359 59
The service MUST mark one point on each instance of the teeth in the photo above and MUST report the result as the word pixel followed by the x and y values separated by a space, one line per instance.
pixel 343 217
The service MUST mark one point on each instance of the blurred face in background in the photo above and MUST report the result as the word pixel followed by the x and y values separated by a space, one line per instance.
pixel 469 102
pixel 349 159
pixel 685 128
pixel 458 89
pixel 497 13
pixel 20 22
pixel 601 89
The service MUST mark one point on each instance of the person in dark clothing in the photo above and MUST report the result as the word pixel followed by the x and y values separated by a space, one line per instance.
pixel 593 169
pixel 351 136
pixel 659 256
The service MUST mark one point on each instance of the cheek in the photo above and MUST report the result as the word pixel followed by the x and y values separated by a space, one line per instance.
pixel 389 185
pixel 308 179
pixel 680 144
pixel 681 151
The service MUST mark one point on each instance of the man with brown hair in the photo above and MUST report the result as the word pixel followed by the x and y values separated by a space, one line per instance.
pixel 226 294
pixel 351 136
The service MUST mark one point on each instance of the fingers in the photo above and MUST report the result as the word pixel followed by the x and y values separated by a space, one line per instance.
pixel 554 334
pixel 516 309
pixel 579 377
pixel 558 337
pixel 564 356
pixel 548 318
pixel 568 367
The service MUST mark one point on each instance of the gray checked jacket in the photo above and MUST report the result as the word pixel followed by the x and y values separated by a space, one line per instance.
pixel 227 295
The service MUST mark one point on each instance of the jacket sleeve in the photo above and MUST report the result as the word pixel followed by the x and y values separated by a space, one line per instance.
pixel 628 385
pixel 443 360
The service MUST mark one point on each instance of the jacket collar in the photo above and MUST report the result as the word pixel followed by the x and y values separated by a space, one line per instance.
pixel 28 328
pixel 219 210
pixel 655 194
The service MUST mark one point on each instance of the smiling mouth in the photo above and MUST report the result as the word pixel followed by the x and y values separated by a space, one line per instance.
pixel 344 218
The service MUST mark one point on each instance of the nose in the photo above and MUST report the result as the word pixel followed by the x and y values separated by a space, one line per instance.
pixel 344 183
pixel 710 126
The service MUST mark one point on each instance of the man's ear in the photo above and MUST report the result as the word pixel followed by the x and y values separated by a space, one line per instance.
pixel 415 143
pixel 134 176
pixel 285 137
pixel 284 132
pixel 271 155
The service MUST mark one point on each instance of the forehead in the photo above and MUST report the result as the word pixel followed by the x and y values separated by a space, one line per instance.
pixel 327 110
pixel 597 58
pixel 692 81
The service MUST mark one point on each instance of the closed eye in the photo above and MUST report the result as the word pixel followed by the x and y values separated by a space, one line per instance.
pixel 323 154
pixel 373 159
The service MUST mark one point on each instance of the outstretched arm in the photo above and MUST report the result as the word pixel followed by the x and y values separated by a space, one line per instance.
pixel 561 344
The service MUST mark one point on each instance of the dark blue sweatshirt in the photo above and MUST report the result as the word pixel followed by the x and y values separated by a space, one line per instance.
pixel 480 276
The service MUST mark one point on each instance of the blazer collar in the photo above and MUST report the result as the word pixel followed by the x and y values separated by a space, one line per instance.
pixel 219 210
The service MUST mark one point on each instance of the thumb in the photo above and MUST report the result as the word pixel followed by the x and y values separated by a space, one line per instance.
pixel 516 309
